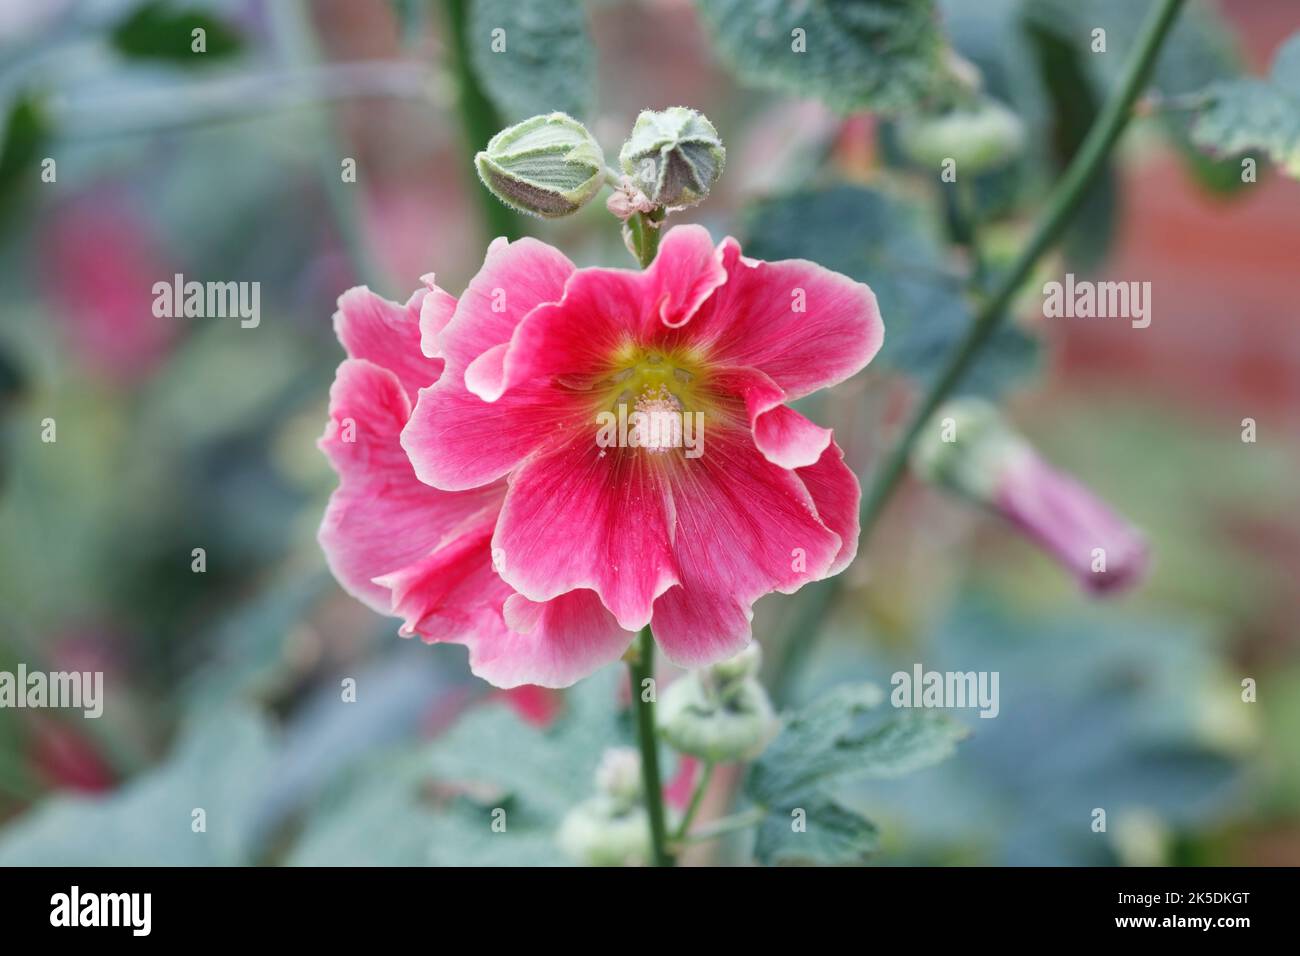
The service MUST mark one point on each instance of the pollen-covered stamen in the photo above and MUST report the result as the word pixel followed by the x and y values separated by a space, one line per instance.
pixel 657 420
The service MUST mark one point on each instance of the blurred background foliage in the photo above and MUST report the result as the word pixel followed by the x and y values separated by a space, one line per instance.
pixel 175 434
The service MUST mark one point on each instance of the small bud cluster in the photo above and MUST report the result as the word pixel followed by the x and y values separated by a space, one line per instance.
pixel 551 166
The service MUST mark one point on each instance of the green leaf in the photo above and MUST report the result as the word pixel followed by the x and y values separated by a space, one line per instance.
pixel 825 833
pixel 533 56
pixel 162 31
pixel 436 807
pixel 842 735
pixel 1257 114
pixel 220 765
pixel 1076 103
pixel 883 55
pixel 25 131
pixel 881 241
pixel 1200 50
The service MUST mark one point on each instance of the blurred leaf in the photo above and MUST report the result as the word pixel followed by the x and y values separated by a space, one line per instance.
pixel 881 241
pixel 438 807
pixel 839 737
pixel 1098 707
pixel 843 734
pixel 25 131
pixel 1075 105
pixel 883 55
pixel 220 765
pixel 249 646
pixel 409 15
pixel 834 836
pixel 1200 50
pixel 547 63
pixel 163 31
pixel 1257 114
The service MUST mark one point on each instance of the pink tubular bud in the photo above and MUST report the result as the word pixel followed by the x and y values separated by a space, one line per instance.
pixel 968 448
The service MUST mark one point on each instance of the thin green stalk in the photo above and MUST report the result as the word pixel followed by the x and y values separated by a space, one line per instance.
pixel 1062 205
pixel 642 669
pixel 645 231
pixel 697 797
pixel 479 121
pixel 737 821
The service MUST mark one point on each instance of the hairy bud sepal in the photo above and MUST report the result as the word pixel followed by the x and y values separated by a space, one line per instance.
pixel 719 714
pixel 548 166
pixel 674 156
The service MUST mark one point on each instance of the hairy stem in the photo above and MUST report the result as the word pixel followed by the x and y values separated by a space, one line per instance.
pixel 642 670
pixel 737 821
pixel 697 797
pixel 645 231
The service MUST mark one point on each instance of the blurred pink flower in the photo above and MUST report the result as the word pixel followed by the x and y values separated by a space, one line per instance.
pixel 1102 550
pixel 478 501
pixel 101 264
pixel 65 759
pixel 973 451
pixel 534 705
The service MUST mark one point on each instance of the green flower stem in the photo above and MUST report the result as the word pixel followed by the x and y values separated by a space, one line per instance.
pixel 798 639
pixel 642 669
pixel 697 797
pixel 737 821
pixel 645 230
pixel 1062 205
pixel 479 121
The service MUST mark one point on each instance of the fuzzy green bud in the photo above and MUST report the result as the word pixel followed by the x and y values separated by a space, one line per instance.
pixel 598 832
pixel 966 448
pixel 548 166
pixel 673 156
pixel 979 136
pixel 720 713
pixel 618 775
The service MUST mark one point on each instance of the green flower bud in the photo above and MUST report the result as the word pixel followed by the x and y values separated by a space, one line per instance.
pixel 597 832
pixel 966 448
pixel 719 720
pixel 674 156
pixel 548 166
pixel 743 665
pixel 979 136
pixel 618 775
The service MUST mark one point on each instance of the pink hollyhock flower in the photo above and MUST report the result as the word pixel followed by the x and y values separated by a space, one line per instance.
pixel 479 502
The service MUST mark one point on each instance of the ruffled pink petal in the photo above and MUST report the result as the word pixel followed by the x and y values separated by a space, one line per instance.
pixel 745 527
pixel 453 590
pixel 685 272
pixel 435 312
pixel 602 310
pixel 455 440
pixel 836 493
pixel 454 595
pixel 785 437
pixel 806 327
pixel 553 644
pixel 580 516
pixel 515 278
pixel 371 327
pixel 381 518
